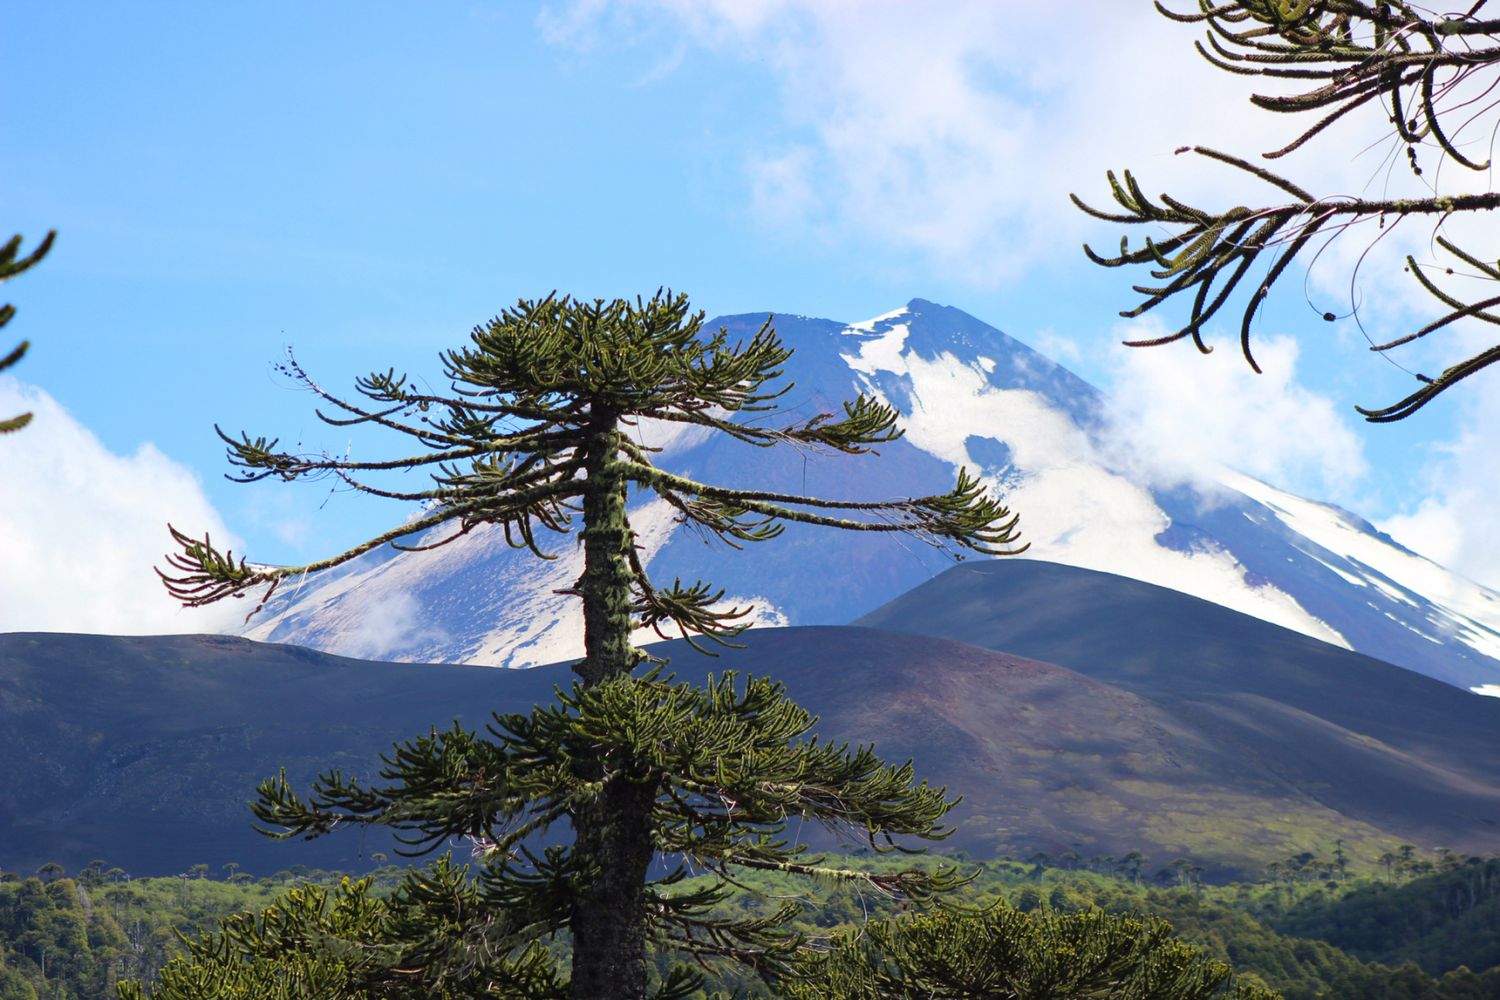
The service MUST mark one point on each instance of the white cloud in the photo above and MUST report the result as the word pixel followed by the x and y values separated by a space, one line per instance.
pixel 1177 415
pixel 958 131
pixel 1455 522
pixel 283 516
pixel 782 191
pixel 81 528
pixel 395 620
pixel 1057 346
pixel 953 134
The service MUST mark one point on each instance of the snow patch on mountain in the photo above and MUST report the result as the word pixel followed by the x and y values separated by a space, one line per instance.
pixel 1463 610
pixel 1076 510
pixel 868 325
pixel 968 395
pixel 386 610
pixel 877 350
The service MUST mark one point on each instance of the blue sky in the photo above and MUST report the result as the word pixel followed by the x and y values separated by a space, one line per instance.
pixel 365 182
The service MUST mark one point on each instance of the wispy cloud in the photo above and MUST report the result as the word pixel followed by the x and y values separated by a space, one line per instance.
pixel 81 528
pixel 954 134
pixel 392 621
pixel 948 137
pixel 1176 416
pixel 957 132
pixel 1455 520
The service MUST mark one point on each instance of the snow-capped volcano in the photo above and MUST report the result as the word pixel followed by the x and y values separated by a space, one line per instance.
pixel 969 396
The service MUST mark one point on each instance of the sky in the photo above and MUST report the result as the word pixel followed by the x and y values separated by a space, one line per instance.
pixel 364 183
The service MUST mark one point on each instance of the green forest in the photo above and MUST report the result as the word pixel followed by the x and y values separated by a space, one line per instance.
pixel 1419 926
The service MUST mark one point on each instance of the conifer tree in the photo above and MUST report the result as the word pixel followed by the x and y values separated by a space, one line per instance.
pixel 1001 952
pixel 653 777
pixel 12 264
pixel 1434 78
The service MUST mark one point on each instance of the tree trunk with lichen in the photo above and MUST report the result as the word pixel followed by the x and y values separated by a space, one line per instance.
pixel 613 833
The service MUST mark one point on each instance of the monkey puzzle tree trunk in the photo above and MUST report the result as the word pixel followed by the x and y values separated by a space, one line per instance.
pixel 613 832
pixel 609 915
pixel 607 541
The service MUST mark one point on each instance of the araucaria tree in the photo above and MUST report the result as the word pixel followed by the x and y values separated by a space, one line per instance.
pixel 653 778
pixel 1435 78
pixel 1003 952
pixel 12 264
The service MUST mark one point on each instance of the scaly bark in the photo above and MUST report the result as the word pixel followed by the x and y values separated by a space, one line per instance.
pixel 607 543
pixel 614 830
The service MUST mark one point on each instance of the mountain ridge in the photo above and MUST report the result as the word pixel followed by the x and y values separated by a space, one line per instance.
pixel 970 395
pixel 1418 738
pixel 144 750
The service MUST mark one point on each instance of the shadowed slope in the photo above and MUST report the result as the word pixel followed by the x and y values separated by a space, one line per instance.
pixel 1364 737
pixel 144 751
pixel 1046 758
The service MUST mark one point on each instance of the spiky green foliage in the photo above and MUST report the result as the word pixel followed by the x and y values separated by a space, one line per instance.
pixel 646 774
pixel 724 768
pixel 1004 953
pixel 729 762
pixel 12 264
pixel 549 383
pixel 349 944
pixel 1425 69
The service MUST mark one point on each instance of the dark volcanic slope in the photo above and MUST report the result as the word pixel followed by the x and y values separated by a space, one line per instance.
pixel 1367 738
pixel 1048 759
pixel 144 750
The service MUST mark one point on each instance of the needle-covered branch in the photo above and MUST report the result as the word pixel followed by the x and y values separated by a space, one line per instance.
pixel 694 924
pixel 204 575
pixel 261 459
pixel 1437 78
pixel 731 764
pixel 1212 251
pixel 351 943
pixel 1002 952
pixel 628 356
pixel 694 610
pixel 967 516
pixel 628 771
pixel 866 422
pixel 731 749
pixel 552 380
pixel 1358 52
pixel 12 264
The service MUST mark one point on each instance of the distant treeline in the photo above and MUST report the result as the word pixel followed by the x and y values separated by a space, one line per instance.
pixel 65 938
pixel 1309 928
